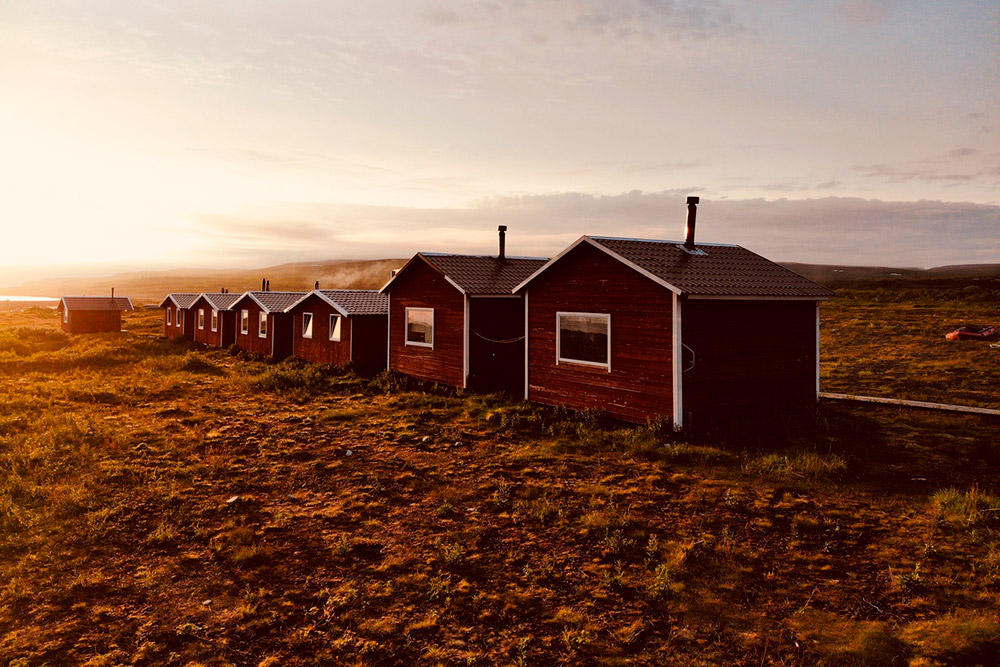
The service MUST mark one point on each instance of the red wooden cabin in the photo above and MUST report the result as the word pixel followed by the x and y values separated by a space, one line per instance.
pixel 341 326
pixel 93 314
pixel 262 325
pixel 177 319
pixel 214 323
pixel 453 319
pixel 646 329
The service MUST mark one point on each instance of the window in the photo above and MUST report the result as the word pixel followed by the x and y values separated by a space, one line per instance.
pixel 262 324
pixel 244 321
pixel 170 316
pixel 66 315
pixel 179 322
pixel 215 320
pixel 420 327
pixel 335 328
pixel 201 318
pixel 584 338
pixel 307 325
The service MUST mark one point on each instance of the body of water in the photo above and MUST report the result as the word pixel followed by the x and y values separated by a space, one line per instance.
pixel 4 297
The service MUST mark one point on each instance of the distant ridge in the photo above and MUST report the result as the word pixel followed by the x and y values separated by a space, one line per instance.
pixel 372 274
pixel 827 274
pixel 154 285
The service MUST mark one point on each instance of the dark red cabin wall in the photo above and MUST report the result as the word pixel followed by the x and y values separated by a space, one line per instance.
pixel 370 334
pixel 227 328
pixel 280 328
pixel 205 336
pixel 223 336
pixel 757 355
pixel 172 331
pixel 93 321
pixel 320 349
pixel 250 341
pixel 420 286
pixel 496 345
pixel 640 384
pixel 189 319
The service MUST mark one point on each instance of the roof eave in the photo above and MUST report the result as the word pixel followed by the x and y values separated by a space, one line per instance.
pixel 420 255
pixel 315 292
pixel 635 267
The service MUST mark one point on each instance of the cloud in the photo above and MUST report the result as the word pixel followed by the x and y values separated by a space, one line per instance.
pixel 832 230
pixel 863 13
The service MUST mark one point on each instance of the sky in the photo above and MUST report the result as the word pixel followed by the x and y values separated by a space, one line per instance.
pixel 248 133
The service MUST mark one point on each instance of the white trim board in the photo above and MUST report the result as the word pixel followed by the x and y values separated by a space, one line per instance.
pixel 677 364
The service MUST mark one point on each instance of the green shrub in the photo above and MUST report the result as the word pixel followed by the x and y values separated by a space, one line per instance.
pixel 196 363
pixel 803 465
pixel 972 506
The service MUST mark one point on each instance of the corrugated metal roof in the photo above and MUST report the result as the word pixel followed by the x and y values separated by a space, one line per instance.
pixel 221 300
pixel 712 270
pixel 95 303
pixel 358 302
pixel 180 299
pixel 484 274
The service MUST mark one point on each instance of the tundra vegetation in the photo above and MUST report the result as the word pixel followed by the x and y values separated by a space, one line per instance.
pixel 163 504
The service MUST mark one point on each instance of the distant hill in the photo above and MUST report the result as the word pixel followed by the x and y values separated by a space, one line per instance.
pixel 832 274
pixel 372 274
pixel 154 285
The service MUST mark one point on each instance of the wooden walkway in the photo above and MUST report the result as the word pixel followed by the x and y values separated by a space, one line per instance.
pixel 911 404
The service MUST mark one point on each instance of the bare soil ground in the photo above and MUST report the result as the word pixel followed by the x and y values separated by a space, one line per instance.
pixel 166 505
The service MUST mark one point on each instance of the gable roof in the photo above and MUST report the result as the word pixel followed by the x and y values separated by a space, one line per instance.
pixel 271 302
pixel 180 299
pixel 708 271
pixel 478 275
pixel 220 300
pixel 350 301
pixel 95 303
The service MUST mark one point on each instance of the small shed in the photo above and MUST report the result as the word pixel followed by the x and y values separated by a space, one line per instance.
pixel 454 319
pixel 93 314
pixel 177 319
pixel 341 326
pixel 214 323
pixel 262 325
pixel 650 328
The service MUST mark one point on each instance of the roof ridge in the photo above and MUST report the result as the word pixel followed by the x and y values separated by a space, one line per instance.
pixel 456 254
pixel 663 241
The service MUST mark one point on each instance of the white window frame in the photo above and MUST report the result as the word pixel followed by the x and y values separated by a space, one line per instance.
pixel 406 328
pixel 215 320
pixel 201 319
pixel 244 322
pixel 307 325
pixel 66 315
pixel 580 362
pixel 262 324
pixel 170 317
pixel 179 322
pixel 335 324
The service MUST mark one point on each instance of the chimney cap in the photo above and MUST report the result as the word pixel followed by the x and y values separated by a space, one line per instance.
pixel 693 200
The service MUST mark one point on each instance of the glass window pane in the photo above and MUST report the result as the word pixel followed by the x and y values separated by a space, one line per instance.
pixel 335 327
pixel 419 325
pixel 307 325
pixel 584 338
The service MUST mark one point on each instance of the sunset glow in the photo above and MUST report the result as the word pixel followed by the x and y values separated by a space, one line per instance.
pixel 216 134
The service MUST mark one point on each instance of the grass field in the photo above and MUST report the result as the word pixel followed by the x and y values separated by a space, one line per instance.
pixel 165 505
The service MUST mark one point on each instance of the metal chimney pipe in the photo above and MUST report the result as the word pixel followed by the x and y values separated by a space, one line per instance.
pixel 112 292
pixel 692 204
pixel 503 241
pixel 263 284
pixel 316 286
